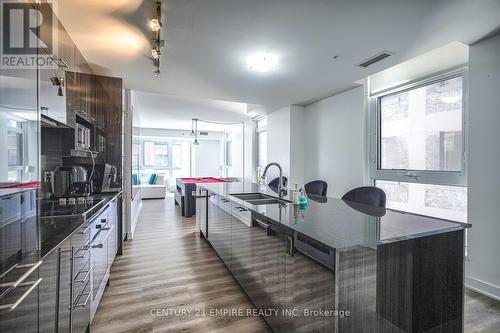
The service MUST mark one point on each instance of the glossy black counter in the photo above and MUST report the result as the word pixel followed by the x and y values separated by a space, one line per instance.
pixel 58 222
pixel 379 270
pixel 338 223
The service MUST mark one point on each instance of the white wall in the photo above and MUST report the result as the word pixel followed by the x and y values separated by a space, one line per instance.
pixel 235 134
pixel 450 56
pixel 206 159
pixel 285 143
pixel 278 142
pixel 483 269
pixel 335 141
pixel 250 151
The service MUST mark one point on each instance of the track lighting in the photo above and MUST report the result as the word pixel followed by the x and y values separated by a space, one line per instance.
pixel 156 41
pixel 155 53
pixel 155 25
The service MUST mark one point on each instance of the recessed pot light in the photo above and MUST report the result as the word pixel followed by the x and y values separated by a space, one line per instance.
pixel 262 62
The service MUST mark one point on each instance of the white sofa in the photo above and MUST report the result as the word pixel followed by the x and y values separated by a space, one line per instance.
pixel 154 191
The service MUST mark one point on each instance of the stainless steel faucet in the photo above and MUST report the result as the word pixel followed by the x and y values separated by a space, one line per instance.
pixel 281 187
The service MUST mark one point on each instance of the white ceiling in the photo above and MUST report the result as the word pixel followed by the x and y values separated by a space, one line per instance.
pixel 170 112
pixel 207 42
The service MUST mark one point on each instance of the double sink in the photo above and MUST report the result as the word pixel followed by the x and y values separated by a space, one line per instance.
pixel 259 198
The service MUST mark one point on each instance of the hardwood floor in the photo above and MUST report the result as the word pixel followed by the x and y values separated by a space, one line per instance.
pixel 168 268
pixel 482 314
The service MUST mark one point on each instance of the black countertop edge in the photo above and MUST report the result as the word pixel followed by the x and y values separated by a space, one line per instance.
pixel 106 198
pixel 225 189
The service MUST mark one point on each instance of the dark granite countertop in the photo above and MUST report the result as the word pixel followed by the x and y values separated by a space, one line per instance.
pixel 58 222
pixel 337 223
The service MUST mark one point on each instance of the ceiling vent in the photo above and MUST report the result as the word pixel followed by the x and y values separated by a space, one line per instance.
pixel 375 59
pixel 203 133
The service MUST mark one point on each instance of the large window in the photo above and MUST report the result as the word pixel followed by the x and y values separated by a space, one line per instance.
pixel 156 154
pixel 262 142
pixel 169 157
pixel 419 158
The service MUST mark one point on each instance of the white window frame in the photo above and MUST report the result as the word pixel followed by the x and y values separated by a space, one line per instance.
pixel 451 178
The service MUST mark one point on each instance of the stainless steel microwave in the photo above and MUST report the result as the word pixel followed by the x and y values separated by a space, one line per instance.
pixel 82 137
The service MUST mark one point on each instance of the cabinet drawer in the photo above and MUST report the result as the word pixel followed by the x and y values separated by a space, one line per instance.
pixel 242 213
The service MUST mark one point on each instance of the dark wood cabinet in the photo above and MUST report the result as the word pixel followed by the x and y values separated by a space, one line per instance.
pixel 109 116
pixel 80 97
pixel 308 286
pixel 24 316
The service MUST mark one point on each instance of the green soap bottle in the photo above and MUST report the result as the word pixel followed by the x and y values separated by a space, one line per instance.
pixel 303 200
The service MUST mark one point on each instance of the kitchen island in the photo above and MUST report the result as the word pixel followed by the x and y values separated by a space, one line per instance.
pixel 336 266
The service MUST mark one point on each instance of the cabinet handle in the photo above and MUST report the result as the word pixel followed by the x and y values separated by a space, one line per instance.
pixel 23 277
pixel 77 299
pixel 98 246
pixel 241 209
pixel 87 250
pixel 84 231
pixel 82 305
pixel 84 278
pixel 14 305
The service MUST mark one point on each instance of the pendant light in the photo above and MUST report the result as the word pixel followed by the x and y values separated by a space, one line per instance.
pixel 196 143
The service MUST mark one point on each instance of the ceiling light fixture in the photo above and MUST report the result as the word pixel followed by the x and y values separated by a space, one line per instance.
pixel 262 62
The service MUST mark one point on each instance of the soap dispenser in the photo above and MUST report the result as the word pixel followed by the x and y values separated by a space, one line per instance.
pixel 303 199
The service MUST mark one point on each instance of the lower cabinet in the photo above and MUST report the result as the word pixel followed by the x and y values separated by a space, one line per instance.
pixel 104 248
pixel 19 308
pixel 65 254
pixel 309 286
pixel 82 270
pixel 75 274
pixel 47 312
pixel 219 226
pixel 264 261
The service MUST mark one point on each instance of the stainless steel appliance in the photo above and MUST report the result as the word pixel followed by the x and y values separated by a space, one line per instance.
pixel 103 178
pixel 69 181
pixel 82 137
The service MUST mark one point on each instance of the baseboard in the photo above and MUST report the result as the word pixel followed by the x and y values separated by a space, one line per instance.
pixel 482 287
